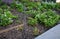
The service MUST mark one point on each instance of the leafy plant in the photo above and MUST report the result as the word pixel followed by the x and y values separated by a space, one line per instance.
pixel 57 6
pixel 48 5
pixel 13 5
pixel 0 2
pixel 1 10
pixel 24 1
pixel 32 21
pixel 6 18
pixel 4 6
pixel 49 18
pixel 32 13
pixel 18 6
pixel 32 5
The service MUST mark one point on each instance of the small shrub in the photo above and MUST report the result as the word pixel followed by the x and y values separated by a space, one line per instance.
pixel 24 1
pixel 13 5
pixel 18 6
pixel 32 21
pixel 1 10
pixel 49 18
pixel 4 6
pixel 32 5
pixel 49 5
pixel 6 18
pixel 57 6
pixel 32 13
pixel 1 2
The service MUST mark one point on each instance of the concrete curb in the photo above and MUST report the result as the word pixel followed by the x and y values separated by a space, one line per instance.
pixel 53 33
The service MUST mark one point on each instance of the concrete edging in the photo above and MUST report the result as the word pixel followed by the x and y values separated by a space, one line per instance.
pixel 53 33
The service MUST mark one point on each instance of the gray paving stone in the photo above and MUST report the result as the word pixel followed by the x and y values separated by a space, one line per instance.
pixel 53 33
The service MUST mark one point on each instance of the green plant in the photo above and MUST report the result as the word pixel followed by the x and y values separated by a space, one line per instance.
pixel 6 18
pixel 48 5
pixel 49 18
pixel 18 6
pixel 57 6
pixel 32 5
pixel 1 10
pixel 4 6
pixel 35 31
pixel 24 1
pixel 39 6
pixel 32 21
pixel 32 13
pixel 0 2
pixel 13 5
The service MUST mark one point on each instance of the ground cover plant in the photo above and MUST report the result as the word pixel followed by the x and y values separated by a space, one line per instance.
pixel 37 18
pixel 19 6
pixel 49 18
pixel 5 17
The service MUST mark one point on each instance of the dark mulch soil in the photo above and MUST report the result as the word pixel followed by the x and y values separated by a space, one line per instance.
pixel 26 33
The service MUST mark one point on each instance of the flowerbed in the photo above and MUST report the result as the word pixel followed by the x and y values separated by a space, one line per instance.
pixel 37 18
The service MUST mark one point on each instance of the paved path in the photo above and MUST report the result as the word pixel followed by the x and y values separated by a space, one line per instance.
pixel 53 33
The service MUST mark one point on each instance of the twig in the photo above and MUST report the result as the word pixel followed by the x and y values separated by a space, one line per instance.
pixel 6 30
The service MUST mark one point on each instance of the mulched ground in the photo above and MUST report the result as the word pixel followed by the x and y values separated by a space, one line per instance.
pixel 26 33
